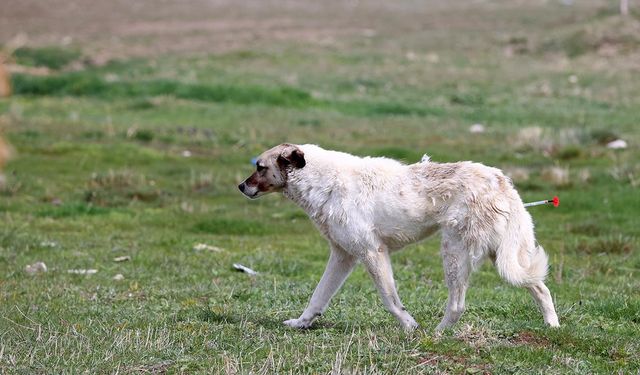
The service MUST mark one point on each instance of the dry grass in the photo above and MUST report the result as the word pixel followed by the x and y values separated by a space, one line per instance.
pixel 517 174
pixel 608 245
pixel 557 176
pixel 201 181
pixel 117 188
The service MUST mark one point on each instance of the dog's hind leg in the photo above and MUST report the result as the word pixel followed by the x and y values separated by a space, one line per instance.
pixel 457 268
pixel 378 264
pixel 526 265
pixel 542 296
pixel 338 269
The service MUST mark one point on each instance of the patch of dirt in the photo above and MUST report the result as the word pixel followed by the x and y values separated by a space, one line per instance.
pixel 531 339
pixel 157 368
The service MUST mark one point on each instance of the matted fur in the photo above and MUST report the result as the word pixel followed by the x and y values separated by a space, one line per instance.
pixel 369 207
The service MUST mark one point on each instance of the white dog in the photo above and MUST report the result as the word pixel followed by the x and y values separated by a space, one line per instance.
pixel 370 207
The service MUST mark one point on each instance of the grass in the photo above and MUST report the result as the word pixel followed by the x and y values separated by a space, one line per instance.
pixel 90 84
pixel 102 171
pixel 50 57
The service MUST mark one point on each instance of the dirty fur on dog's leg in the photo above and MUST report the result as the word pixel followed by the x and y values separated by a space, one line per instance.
pixel 542 296
pixel 457 268
pixel 378 264
pixel 338 269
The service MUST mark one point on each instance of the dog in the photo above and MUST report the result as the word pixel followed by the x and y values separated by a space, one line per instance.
pixel 369 207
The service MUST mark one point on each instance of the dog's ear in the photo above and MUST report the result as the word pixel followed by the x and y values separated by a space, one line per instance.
pixel 293 156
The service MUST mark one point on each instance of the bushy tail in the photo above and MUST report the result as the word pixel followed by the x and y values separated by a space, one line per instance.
pixel 521 263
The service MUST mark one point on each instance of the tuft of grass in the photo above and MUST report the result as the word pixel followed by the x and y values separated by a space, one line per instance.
pixel 50 57
pixel 569 152
pixel 201 182
pixel 94 135
pixel 472 99
pixel 120 188
pixel 313 123
pixel 619 244
pixel 394 109
pixel 141 104
pixel 557 176
pixel 590 228
pixel 574 44
pixel 143 135
pixel 517 174
pixel 604 136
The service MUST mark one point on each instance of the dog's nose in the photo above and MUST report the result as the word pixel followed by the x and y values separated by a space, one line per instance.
pixel 241 187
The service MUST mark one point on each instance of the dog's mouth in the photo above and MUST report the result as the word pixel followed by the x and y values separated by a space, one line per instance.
pixel 249 195
pixel 248 192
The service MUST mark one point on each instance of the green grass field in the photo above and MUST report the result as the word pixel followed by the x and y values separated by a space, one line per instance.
pixel 140 157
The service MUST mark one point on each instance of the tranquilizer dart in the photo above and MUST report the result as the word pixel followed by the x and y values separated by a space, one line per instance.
pixel 555 201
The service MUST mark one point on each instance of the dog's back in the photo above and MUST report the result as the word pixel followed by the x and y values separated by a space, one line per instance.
pixel 480 205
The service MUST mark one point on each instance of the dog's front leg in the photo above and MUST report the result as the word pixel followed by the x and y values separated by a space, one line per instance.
pixel 339 267
pixel 378 264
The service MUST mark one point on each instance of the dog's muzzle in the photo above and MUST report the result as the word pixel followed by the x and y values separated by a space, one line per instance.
pixel 247 191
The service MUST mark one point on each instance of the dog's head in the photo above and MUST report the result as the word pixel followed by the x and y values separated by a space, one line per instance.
pixel 272 170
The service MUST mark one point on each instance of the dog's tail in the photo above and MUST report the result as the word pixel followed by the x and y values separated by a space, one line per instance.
pixel 519 259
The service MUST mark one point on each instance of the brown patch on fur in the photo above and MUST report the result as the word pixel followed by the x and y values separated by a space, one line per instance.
pixel 291 155
pixel 264 186
pixel 443 171
pixel 503 183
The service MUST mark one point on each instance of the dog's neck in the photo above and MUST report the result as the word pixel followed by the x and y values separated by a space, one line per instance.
pixel 308 188
pixel 312 186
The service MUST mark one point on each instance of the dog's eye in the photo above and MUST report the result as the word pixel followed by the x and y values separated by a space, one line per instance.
pixel 261 168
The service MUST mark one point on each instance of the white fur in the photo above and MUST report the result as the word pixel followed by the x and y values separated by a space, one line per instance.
pixel 370 207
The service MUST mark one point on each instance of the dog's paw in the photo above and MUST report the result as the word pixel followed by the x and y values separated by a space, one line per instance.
pixel 410 325
pixel 297 323
pixel 553 323
pixel 441 327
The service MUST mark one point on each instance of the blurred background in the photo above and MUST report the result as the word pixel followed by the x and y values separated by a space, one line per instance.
pixel 125 128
